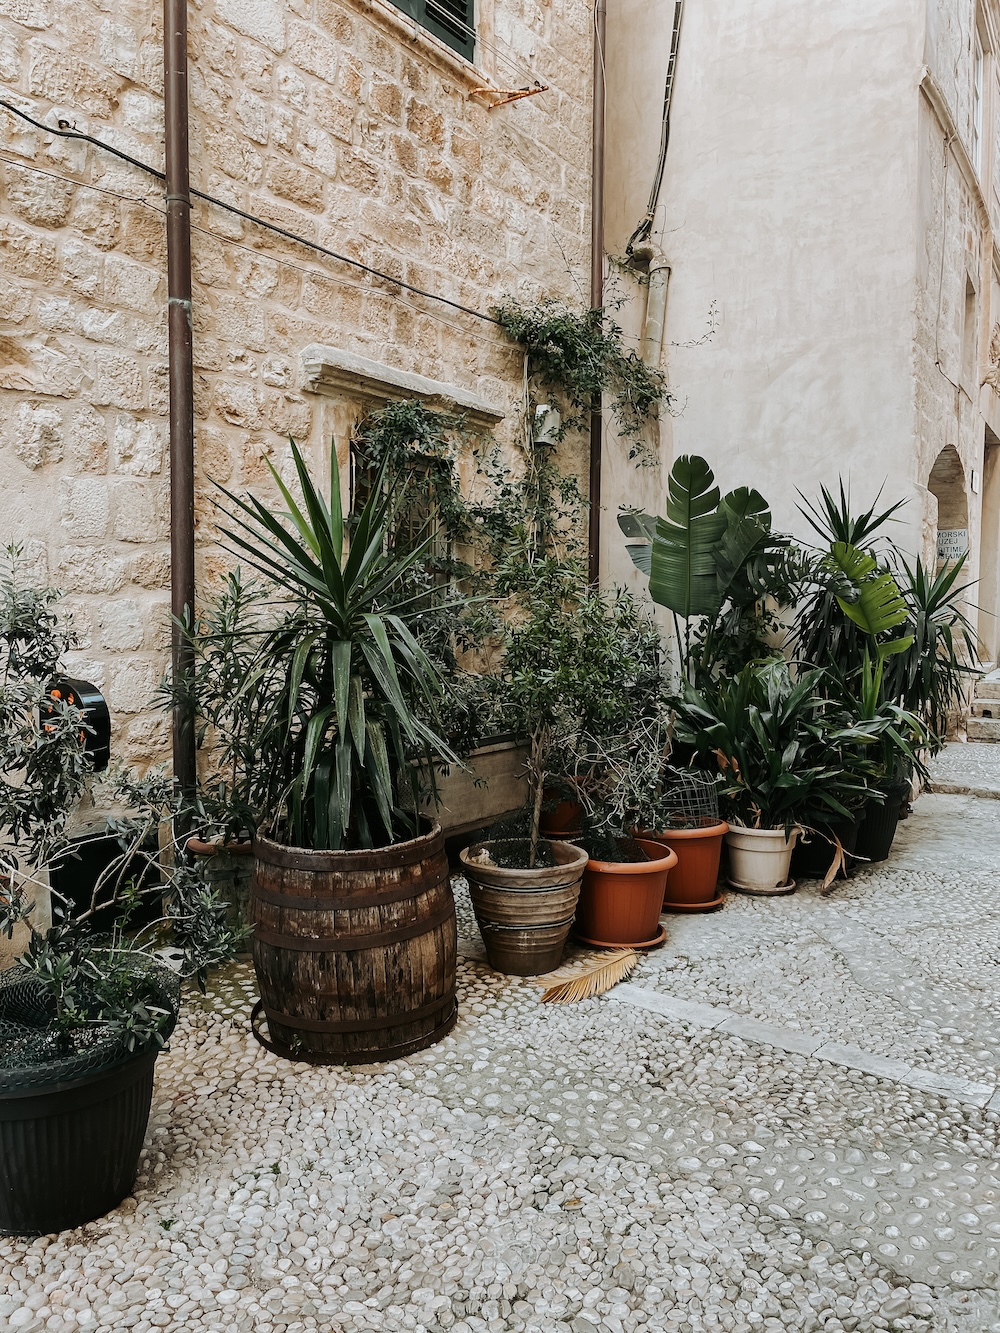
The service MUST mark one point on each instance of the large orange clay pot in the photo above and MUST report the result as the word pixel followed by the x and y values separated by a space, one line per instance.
pixel 564 820
pixel 620 902
pixel 693 883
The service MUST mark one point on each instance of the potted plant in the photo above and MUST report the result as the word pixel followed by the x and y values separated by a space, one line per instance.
pixel 681 811
pixel 785 756
pixel 622 892
pixel 576 664
pixel 322 702
pixel 82 1017
pixel 875 632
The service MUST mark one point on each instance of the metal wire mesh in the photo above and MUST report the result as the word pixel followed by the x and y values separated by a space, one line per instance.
pixel 690 800
pixel 32 1051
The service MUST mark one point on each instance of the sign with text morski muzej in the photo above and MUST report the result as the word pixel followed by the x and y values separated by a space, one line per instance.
pixel 952 543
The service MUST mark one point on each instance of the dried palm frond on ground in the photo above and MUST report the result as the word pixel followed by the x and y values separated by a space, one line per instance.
pixel 591 974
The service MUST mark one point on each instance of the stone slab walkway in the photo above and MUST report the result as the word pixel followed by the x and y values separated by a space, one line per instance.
pixel 967 769
pixel 787 1119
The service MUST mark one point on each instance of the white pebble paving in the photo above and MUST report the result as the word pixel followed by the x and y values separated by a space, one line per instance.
pixel 591 1168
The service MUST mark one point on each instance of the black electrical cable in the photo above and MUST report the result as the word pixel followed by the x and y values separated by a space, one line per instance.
pixel 646 225
pixel 65 132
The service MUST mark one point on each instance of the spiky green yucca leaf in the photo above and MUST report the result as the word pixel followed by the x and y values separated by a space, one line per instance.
pixel 351 697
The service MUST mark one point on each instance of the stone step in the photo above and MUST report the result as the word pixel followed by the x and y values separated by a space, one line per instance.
pixel 987 707
pixel 988 689
pixel 983 729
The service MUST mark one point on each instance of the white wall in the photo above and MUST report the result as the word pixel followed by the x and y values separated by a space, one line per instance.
pixel 789 205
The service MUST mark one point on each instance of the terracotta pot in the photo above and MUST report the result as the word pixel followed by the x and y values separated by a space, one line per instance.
pixel 759 860
pixel 693 883
pixel 620 902
pixel 524 916
pixel 564 820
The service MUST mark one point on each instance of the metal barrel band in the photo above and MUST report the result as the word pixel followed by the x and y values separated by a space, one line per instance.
pixel 350 1058
pixel 527 892
pixel 274 899
pixel 361 1024
pixel 352 943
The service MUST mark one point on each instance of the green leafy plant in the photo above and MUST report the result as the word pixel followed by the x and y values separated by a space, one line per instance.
pixel 713 560
pixel 579 355
pixel 579 672
pixel 824 634
pixel 337 694
pixel 83 992
pixel 785 755
pixel 930 675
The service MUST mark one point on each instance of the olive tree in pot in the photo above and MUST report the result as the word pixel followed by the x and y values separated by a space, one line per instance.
pixel 576 664
pixel 785 756
pixel 319 698
pixel 82 1016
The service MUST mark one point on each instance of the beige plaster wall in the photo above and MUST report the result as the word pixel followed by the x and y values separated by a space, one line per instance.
pixel 328 117
pixel 789 208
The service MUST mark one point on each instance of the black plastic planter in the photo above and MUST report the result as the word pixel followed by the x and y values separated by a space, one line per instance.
pixel 69 1151
pixel 812 859
pixel 879 826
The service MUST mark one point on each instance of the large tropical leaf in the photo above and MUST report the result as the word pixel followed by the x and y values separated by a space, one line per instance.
pixel 880 606
pixel 683 574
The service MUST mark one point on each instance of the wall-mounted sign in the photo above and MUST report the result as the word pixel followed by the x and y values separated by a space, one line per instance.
pixel 952 543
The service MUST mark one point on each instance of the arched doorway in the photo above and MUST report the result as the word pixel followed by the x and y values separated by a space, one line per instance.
pixel 947 484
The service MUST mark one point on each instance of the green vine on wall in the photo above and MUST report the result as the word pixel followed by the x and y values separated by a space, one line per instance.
pixel 579 355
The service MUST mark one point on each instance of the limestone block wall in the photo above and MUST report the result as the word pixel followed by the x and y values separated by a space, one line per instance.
pixel 339 120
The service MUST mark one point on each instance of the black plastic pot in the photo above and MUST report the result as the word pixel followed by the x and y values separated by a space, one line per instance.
pixel 69 1152
pixel 879 826
pixel 812 859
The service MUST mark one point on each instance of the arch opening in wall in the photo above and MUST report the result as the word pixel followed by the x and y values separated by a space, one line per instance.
pixel 947 484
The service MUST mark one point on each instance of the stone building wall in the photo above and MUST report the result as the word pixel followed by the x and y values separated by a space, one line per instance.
pixel 339 120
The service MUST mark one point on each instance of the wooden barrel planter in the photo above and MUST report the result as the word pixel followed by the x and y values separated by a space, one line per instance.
pixel 354 951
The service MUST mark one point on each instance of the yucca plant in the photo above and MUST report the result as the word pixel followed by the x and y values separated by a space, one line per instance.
pixel 335 697
pixel 823 633
pixel 931 675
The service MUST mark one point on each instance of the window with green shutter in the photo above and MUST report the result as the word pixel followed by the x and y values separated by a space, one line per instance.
pixel 451 20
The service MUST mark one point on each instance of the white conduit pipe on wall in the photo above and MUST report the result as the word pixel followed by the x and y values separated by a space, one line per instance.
pixel 651 343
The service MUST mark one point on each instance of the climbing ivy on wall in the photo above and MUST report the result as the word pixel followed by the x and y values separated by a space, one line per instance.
pixel 577 355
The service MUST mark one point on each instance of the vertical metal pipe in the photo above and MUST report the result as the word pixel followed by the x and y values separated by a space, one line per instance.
pixel 597 284
pixel 181 374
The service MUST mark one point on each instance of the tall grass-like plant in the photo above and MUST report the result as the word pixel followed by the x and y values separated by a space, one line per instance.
pixel 931 675
pixel 335 695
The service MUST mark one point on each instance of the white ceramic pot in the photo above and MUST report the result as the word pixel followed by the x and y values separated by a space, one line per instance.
pixel 759 859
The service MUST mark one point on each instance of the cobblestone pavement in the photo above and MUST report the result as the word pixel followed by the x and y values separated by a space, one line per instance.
pixel 787 1119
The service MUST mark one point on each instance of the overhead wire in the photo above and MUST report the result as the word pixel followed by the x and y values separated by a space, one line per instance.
pixel 66 132
pixel 307 270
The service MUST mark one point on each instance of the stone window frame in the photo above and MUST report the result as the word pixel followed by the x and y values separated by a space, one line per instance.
pixel 479 71
pixel 353 384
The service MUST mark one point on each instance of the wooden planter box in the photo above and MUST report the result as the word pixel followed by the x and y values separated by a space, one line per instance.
pixel 495 787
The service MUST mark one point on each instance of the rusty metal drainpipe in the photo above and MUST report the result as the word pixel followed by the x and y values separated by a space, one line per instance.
pixel 597 285
pixel 181 367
